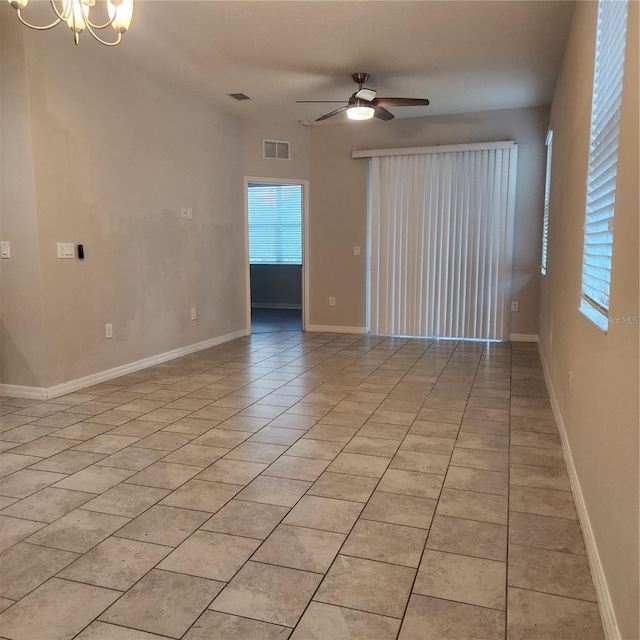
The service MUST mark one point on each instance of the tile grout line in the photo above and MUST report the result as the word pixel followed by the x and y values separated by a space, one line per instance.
pixel 153 568
pixel 357 519
pixel 334 368
pixel 338 553
pixel 437 501
pixel 249 559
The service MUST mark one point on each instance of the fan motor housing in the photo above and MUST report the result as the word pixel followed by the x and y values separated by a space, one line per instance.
pixel 360 78
pixel 358 102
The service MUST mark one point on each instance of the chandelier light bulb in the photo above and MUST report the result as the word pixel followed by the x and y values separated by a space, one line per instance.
pixel 74 13
pixel 120 14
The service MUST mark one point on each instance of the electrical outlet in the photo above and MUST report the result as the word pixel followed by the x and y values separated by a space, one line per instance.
pixel 108 331
pixel 332 301
pixel 515 306
pixel 570 383
pixel 356 251
pixel 193 313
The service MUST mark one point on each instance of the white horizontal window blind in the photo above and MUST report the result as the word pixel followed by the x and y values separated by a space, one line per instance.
pixel 603 159
pixel 547 198
pixel 441 243
pixel 275 223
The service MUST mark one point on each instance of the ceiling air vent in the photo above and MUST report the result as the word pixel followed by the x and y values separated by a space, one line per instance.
pixel 239 96
pixel 275 149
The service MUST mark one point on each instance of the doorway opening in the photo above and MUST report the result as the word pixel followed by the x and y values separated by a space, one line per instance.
pixel 276 276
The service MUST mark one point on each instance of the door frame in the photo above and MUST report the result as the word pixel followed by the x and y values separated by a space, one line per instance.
pixel 305 246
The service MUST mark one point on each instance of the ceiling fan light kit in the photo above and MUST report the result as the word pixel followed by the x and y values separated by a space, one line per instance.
pixel 360 110
pixel 363 104
pixel 76 14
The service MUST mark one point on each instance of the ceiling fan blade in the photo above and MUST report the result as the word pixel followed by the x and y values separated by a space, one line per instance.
pixel 400 102
pixel 320 101
pixel 365 94
pixel 335 112
pixel 382 113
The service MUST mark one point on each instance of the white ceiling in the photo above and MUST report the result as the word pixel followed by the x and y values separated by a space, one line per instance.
pixel 463 56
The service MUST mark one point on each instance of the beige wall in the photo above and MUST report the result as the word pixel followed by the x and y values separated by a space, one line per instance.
pixel 601 413
pixel 115 155
pixel 338 203
pixel 22 331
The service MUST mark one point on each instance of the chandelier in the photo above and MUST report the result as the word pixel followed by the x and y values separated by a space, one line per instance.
pixel 76 14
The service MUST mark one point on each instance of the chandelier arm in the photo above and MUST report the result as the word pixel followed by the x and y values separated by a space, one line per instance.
pixel 36 27
pixel 99 26
pixel 55 9
pixel 85 16
pixel 100 40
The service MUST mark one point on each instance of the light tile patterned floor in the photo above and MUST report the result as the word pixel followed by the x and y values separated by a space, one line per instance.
pixel 303 486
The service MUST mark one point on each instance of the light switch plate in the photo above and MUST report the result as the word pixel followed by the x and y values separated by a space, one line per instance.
pixel 5 250
pixel 66 250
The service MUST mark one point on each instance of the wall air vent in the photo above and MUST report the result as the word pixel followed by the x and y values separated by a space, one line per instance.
pixel 239 96
pixel 275 150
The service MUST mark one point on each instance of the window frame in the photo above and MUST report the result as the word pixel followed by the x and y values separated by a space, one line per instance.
pixel 547 198
pixel 604 134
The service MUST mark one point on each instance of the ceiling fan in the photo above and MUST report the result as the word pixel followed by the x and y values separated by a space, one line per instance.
pixel 363 104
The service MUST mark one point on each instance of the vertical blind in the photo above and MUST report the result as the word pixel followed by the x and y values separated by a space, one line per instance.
pixel 547 199
pixel 603 159
pixel 441 243
pixel 275 223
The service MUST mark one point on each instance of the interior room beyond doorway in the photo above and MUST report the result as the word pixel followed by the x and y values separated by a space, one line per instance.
pixel 274 212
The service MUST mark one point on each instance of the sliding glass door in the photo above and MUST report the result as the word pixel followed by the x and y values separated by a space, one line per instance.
pixel 441 242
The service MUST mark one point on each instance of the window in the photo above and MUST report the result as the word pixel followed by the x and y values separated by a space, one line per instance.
pixel 603 158
pixel 275 223
pixel 547 196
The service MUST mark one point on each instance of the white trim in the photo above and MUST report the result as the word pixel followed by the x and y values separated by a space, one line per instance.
pixel 445 148
pixel 46 393
pixel 247 264
pixel 594 315
pixel 523 337
pixel 330 328
pixel 305 256
pixel 305 246
pixel 607 612
pixel 18 391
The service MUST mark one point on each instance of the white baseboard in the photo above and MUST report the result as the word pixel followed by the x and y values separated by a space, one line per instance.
pixel 19 391
pixel 607 612
pixel 275 305
pixel 46 393
pixel 330 328
pixel 523 337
